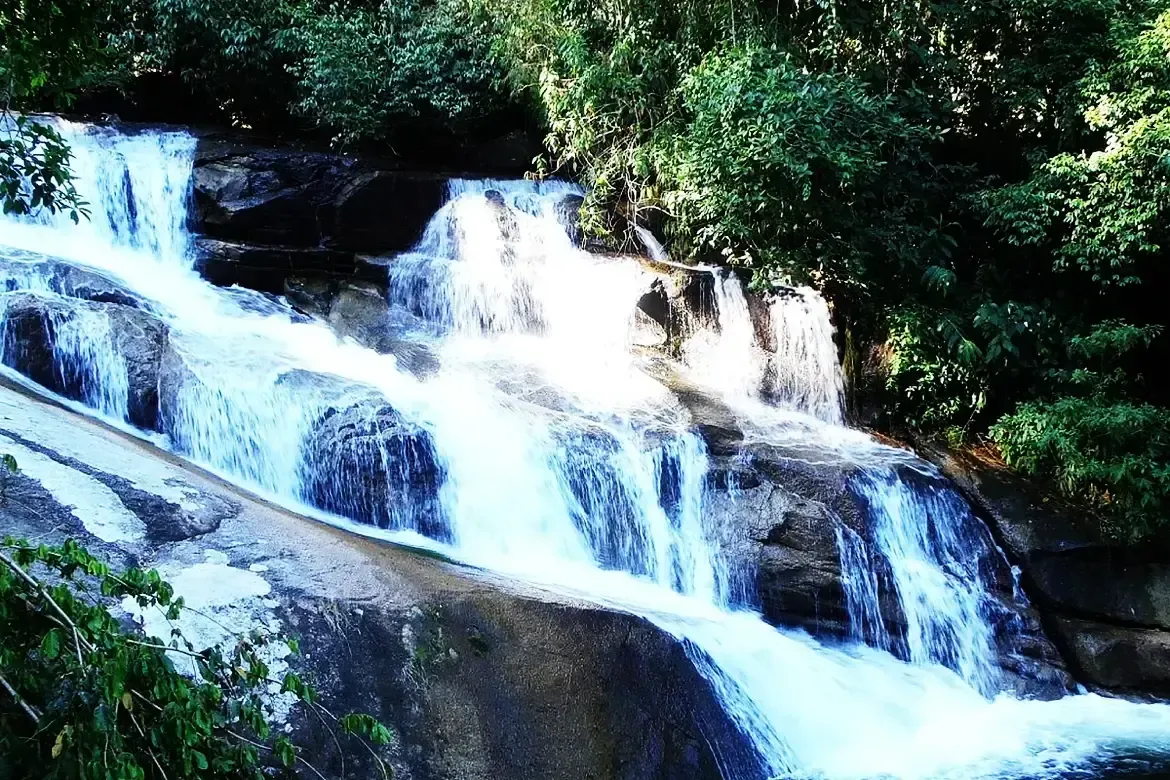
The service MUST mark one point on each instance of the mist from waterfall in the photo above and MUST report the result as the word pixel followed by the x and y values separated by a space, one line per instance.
pixel 552 457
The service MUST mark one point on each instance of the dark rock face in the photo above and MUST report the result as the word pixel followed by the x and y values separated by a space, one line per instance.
pixel 33 346
pixel 265 267
pixel 569 215
pixel 1108 606
pixel 271 218
pixel 264 196
pixel 1134 660
pixel 782 513
pixel 492 685
pixel 277 211
pixel 368 463
pixel 384 211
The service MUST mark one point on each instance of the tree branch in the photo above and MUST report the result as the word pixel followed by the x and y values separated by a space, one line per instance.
pixel 28 709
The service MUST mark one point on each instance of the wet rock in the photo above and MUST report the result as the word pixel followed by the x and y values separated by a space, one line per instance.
pixel 264 196
pixel 1108 587
pixel 568 211
pixel 488 684
pixel 647 332
pixel 287 198
pixel 310 295
pixel 27 270
pixel 655 304
pixel 33 344
pixel 1029 524
pixel 478 677
pixel 384 211
pixel 1129 660
pixel 1111 604
pixel 368 463
pixel 360 311
pixel 264 267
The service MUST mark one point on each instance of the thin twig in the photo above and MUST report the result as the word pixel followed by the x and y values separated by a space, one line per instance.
pixel 28 709
pixel 36 585
pixel 244 739
pixel 166 649
pixel 154 758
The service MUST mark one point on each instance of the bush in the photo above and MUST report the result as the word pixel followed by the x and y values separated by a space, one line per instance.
pixel 792 172
pixel 1112 455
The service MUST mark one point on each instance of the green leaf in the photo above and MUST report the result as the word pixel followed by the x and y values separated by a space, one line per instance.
pixel 51 644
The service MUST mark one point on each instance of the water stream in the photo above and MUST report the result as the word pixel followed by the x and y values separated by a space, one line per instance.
pixel 538 448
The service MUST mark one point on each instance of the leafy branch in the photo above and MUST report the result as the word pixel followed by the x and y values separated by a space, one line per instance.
pixel 82 697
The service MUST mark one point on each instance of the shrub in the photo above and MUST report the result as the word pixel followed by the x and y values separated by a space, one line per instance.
pixel 1112 455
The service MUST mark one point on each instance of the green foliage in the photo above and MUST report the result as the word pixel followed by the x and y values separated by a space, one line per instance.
pixel 363 69
pixel 792 172
pixel 48 51
pixel 1113 455
pixel 82 698
pixel 233 52
pixel 930 371
pixel 34 169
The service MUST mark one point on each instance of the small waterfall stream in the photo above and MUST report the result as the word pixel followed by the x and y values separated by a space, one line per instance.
pixel 540 450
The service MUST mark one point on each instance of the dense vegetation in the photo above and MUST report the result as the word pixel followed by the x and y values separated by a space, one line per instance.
pixel 981 188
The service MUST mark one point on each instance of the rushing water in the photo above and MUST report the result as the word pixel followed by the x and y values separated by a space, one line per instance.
pixel 539 449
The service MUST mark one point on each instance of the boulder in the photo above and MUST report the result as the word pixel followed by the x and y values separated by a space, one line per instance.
pixel 1029 524
pixel 783 513
pixel 359 310
pixel 1109 604
pixel 569 214
pixel 487 684
pixel 264 196
pixel 368 463
pixel 35 345
pixel 479 677
pixel 1125 660
pixel 21 270
pixel 310 295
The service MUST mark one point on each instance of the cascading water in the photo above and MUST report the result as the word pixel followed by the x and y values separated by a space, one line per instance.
pixel 805 370
pixel 540 450
pixel 796 369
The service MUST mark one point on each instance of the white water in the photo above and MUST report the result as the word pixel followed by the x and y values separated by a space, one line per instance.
pixel 558 461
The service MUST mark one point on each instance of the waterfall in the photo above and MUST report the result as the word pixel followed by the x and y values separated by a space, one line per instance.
pixel 806 372
pixel 794 367
pixel 539 449
pixel 927 536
